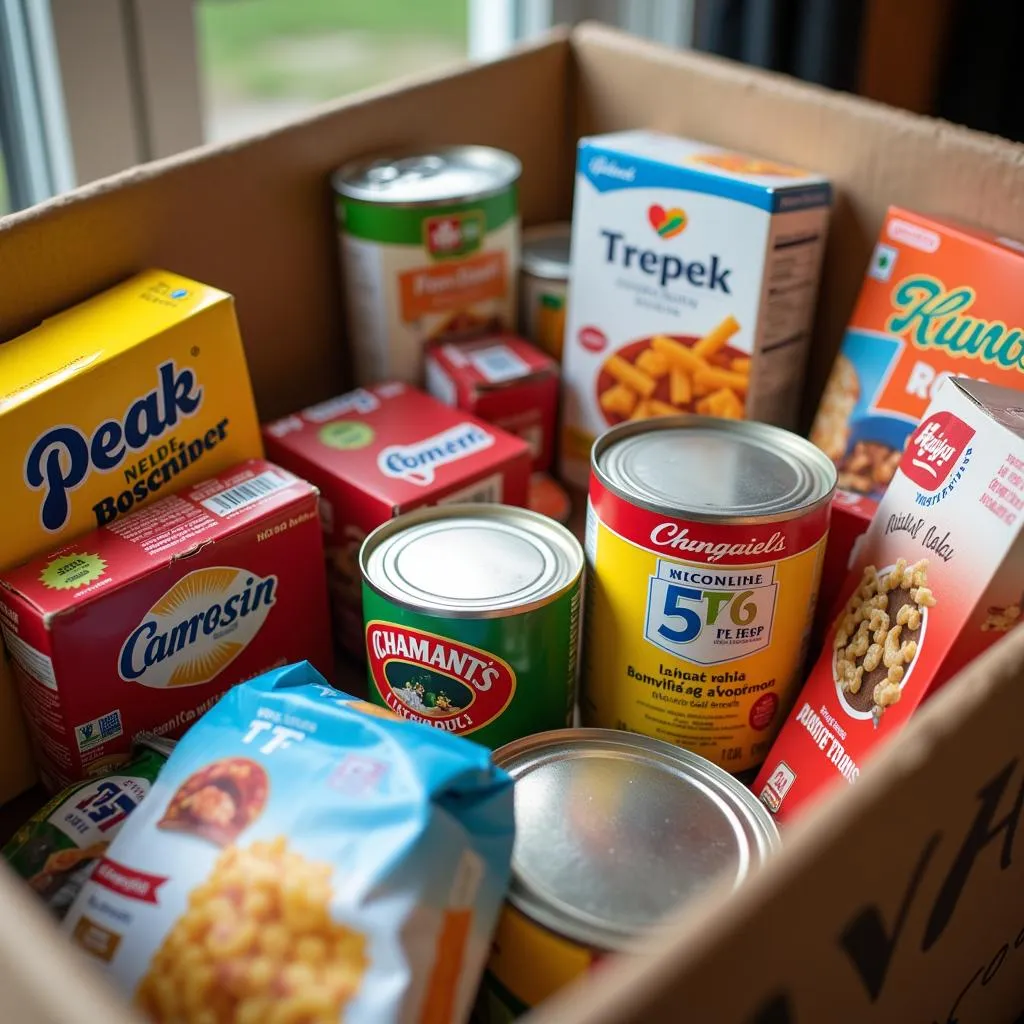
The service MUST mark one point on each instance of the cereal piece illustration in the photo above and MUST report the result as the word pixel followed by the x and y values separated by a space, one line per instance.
pixel 218 801
pixel 878 636
pixel 256 943
pixel 665 376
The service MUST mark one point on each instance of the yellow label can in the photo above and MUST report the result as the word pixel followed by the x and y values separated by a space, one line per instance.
pixel 705 540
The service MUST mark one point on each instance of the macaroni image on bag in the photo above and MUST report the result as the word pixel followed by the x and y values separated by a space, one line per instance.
pixel 304 857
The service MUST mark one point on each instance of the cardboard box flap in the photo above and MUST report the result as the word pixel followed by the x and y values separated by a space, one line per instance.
pixel 1003 406
pixel 79 339
pixel 145 541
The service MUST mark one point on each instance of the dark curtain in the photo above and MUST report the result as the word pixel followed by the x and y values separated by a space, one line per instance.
pixel 978 83
pixel 975 75
pixel 816 40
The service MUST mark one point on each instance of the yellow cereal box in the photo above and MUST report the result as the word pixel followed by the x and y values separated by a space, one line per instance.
pixel 132 394
pixel 136 392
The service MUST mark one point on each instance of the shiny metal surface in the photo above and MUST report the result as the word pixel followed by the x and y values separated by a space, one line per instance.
pixel 546 251
pixel 471 560
pixel 714 469
pixel 444 175
pixel 614 831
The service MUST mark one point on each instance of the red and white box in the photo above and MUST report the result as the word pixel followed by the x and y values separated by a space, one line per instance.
pixel 851 516
pixel 936 580
pixel 503 380
pixel 143 624
pixel 377 452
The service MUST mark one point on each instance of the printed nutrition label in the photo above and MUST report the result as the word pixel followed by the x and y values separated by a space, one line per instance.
pixel 790 288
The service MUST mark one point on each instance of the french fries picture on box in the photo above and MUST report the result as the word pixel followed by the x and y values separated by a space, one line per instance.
pixel 667 375
pixel 694 275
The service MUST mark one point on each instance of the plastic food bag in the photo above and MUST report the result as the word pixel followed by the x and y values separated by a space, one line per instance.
pixel 55 850
pixel 305 857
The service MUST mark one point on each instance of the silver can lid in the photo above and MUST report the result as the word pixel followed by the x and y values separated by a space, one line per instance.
pixel 714 470
pixel 614 831
pixel 444 175
pixel 546 251
pixel 471 561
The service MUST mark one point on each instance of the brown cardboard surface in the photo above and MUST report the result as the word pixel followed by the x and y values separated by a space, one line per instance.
pixel 898 900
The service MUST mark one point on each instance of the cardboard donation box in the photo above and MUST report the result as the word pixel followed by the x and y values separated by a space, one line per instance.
pixel 898 899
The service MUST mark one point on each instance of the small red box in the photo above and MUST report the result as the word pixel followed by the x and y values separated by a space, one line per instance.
pixel 503 380
pixel 377 452
pixel 851 516
pixel 144 623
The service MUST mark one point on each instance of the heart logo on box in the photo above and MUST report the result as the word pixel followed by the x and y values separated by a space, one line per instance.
pixel 668 223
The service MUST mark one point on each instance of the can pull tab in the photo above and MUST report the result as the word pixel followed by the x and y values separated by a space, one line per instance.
pixel 419 167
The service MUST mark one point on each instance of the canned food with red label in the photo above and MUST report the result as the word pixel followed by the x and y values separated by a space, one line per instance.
pixel 705 541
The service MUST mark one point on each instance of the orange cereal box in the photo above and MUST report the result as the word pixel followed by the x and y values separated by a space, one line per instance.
pixel 939 300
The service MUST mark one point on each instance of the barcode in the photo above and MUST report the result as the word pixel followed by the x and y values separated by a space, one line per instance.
pixel 233 498
pixel 499 363
pixel 489 489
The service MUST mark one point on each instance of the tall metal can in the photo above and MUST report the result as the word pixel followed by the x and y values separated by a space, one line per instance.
pixel 430 252
pixel 705 540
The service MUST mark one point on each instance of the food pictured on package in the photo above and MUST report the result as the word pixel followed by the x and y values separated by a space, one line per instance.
pixel 851 516
pixel 544 286
pixel 143 624
pixel 55 850
pixel 472 620
pixel 694 279
pixel 375 453
pixel 430 252
pixel 705 541
pixel 936 579
pixel 938 300
pixel 503 380
pixel 593 807
pixel 363 883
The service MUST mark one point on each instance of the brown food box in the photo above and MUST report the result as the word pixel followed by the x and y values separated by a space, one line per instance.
pixel 900 900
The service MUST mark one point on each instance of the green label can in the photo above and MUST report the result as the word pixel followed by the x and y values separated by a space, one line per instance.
pixel 430 248
pixel 472 619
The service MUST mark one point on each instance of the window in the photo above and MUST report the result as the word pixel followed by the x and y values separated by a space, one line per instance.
pixel 90 87
pixel 265 61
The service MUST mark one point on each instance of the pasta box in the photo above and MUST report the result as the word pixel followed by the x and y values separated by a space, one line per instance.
pixel 504 380
pixel 377 452
pixel 936 580
pixel 143 624
pixel 694 277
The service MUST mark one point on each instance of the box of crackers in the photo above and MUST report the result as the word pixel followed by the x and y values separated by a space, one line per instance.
pixel 935 581
pixel 143 624
pixel 694 277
